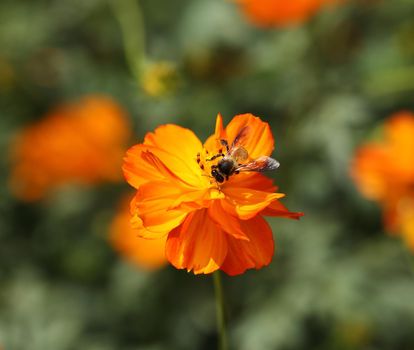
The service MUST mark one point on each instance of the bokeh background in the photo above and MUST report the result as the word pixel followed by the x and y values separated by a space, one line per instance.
pixel 337 281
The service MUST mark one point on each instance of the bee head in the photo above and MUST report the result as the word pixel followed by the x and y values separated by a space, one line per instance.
pixel 217 176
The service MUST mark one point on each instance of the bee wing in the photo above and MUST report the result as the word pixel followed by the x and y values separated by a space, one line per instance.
pixel 240 137
pixel 238 140
pixel 260 164
pixel 239 154
pixel 236 150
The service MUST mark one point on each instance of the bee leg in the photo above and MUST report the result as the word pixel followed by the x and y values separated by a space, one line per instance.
pixel 225 144
pixel 215 156
pixel 237 172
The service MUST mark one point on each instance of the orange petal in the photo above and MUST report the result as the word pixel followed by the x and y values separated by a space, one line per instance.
pixel 278 209
pixel 68 145
pixel 154 204
pixel 280 12
pixel 254 181
pixel 198 244
pixel 136 171
pixel 399 133
pixel 149 254
pixel 229 223
pixel 213 142
pixel 382 169
pixel 371 171
pixel 259 139
pixel 140 167
pixel 219 131
pixel 255 253
pixel 142 232
pixel 152 160
pixel 177 141
pixel 245 202
pixel 171 195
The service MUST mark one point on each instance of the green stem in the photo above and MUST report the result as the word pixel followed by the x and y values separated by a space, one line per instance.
pixel 129 15
pixel 221 320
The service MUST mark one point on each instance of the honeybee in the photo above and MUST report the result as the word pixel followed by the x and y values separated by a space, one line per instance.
pixel 232 161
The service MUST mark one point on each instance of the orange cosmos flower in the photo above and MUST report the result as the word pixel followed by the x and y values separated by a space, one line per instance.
pixel 81 142
pixel 210 223
pixel 384 172
pixel 268 13
pixel 144 253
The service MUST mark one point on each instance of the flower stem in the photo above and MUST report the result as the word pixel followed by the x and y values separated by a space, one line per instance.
pixel 221 320
pixel 129 15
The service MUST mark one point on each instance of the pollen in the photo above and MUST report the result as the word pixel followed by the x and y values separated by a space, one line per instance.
pixel 202 160
pixel 207 163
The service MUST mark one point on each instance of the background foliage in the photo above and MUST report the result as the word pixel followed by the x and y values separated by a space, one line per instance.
pixel 337 280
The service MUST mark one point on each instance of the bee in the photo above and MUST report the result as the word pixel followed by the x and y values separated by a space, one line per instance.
pixel 233 161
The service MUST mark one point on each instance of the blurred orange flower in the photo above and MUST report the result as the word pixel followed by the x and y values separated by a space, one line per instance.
pixel 210 223
pixel 81 142
pixel 144 253
pixel 268 13
pixel 384 172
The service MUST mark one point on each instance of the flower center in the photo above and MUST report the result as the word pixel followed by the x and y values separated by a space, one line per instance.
pixel 215 166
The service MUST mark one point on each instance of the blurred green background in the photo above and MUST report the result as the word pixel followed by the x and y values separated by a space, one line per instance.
pixel 337 280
